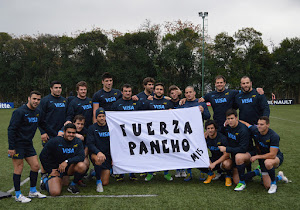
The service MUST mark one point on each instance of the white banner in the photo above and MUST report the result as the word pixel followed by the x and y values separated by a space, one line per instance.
pixel 147 141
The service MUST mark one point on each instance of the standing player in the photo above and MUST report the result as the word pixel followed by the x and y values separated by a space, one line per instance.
pixel 218 159
pixel 159 103
pixel 21 130
pixel 239 146
pixel 268 155
pixel 148 83
pixel 98 140
pixel 81 105
pixel 106 96
pixel 250 103
pixel 63 156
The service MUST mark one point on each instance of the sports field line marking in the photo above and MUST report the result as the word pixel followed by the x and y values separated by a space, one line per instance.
pixel 285 119
pixel 22 183
pixel 102 196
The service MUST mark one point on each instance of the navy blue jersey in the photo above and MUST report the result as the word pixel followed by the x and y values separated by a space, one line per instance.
pixel 127 105
pixel 264 142
pixel 158 104
pixel 83 107
pixel 58 150
pixel 142 96
pixel 221 102
pixel 83 132
pixel 251 106
pixel 22 127
pixel 98 139
pixel 69 99
pixel 238 139
pixel 205 114
pixel 106 99
pixel 53 111
pixel 175 104
pixel 212 145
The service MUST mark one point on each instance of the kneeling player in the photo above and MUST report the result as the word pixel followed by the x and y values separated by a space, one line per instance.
pixel 98 141
pixel 269 155
pixel 218 159
pixel 63 156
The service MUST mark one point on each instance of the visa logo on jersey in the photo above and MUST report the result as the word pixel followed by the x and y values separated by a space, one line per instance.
pixel 111 99
pixel 86 107
pixel 68 150
pixel 32 119
pixel 159 106
pixel 128 108
pixel 230 135
pixel 103 134
pixel 220 100
pixel 58 105
pixel 246 100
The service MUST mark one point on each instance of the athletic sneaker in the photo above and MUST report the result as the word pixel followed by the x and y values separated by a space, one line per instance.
pixel 81 183
pixel 218 175
pixel 119 177
pixel 284 178
pixel 143 174
pixel 36 194
pixel 188 177
pixel 209 178
pixel 133 177
pixel 272 189
pixel 258 168
pixel 240 187
pixel 202 176
pixel 42 186
pixel 73 189
pixel 99 187
pixel 228 181
pixel 168 177
pixel 178 174
pixel 183 173
pixel 148 177
pixel 22 199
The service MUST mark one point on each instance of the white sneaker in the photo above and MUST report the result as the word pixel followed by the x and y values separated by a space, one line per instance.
pixel 99 187
pixel 218 175
pixel 36 194
pixel 22 199
pixel 284 178
pixel 240 187
pixel 183 173
pixel 272 189
pixel 177 175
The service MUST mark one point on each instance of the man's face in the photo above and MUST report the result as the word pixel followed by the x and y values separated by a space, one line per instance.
pixel 81 92
pixel 127 93
pixel 107 83
pixel 34 101
pixel 246 85
pixel 232 121
pixel 159 91
pixel 149 87
pixel 69 134
pixel 220 85
pixel 101 119
pixel 262 126
pixel 79 125
pixel 56 90
pixel 190 94
pixel 174 94
pixel 211 130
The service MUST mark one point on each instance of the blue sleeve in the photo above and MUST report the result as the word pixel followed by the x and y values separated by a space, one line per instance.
pixel 264 105
pixel 205 114
pixel 42 107
pixel 274 141
pixel 95 98
pixel 14 124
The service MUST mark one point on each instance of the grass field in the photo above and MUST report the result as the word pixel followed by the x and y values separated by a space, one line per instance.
pixel 285 120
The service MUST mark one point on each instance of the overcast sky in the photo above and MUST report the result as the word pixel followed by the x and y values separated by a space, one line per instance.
pixel 276 19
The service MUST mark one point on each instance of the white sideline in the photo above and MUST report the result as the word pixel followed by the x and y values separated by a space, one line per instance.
pixel 101 196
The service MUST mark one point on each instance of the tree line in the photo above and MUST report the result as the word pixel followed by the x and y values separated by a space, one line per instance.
pixel 171 53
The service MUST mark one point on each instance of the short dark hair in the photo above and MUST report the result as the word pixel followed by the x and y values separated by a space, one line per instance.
pixel 106 75
pixel 126 86
pixel 245 77
pixel 231 112
pixel 148 79
pixel 211 122
pixel 69 125
pixel 265 118
pixel 81 83
pixel 159 84
pixel 220 77
pixel 79 117
pixel 54 83
pixel 34 92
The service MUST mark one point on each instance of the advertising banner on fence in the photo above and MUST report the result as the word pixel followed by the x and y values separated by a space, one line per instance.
pixel 282 102
pixel 147 141
pixel 6 105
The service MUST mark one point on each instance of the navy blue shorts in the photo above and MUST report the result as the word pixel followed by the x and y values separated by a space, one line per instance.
pixel 25 152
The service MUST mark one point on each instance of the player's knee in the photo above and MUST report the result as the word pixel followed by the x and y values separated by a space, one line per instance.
pixel 81 167
pixel 54 192
pixel 226 164
pixel 35 167
pixel 268 164
pixel 239 158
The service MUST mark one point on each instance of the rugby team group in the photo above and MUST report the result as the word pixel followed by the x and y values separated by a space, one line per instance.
pixel 74 133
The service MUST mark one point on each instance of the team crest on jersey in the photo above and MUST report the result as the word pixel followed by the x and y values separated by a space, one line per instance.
pixel 16 155
pixel 268 140
pixel 37 115
pixel 219 143
pixel 76 145
pixel 90 102
pixel 226 94
pixel 236 134
pixel 134 104
pixel 64 101
pixel 253 96
pixel 115 93
pixel 165 103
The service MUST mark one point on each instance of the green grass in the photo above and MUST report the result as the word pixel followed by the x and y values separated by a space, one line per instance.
pixel 178 194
